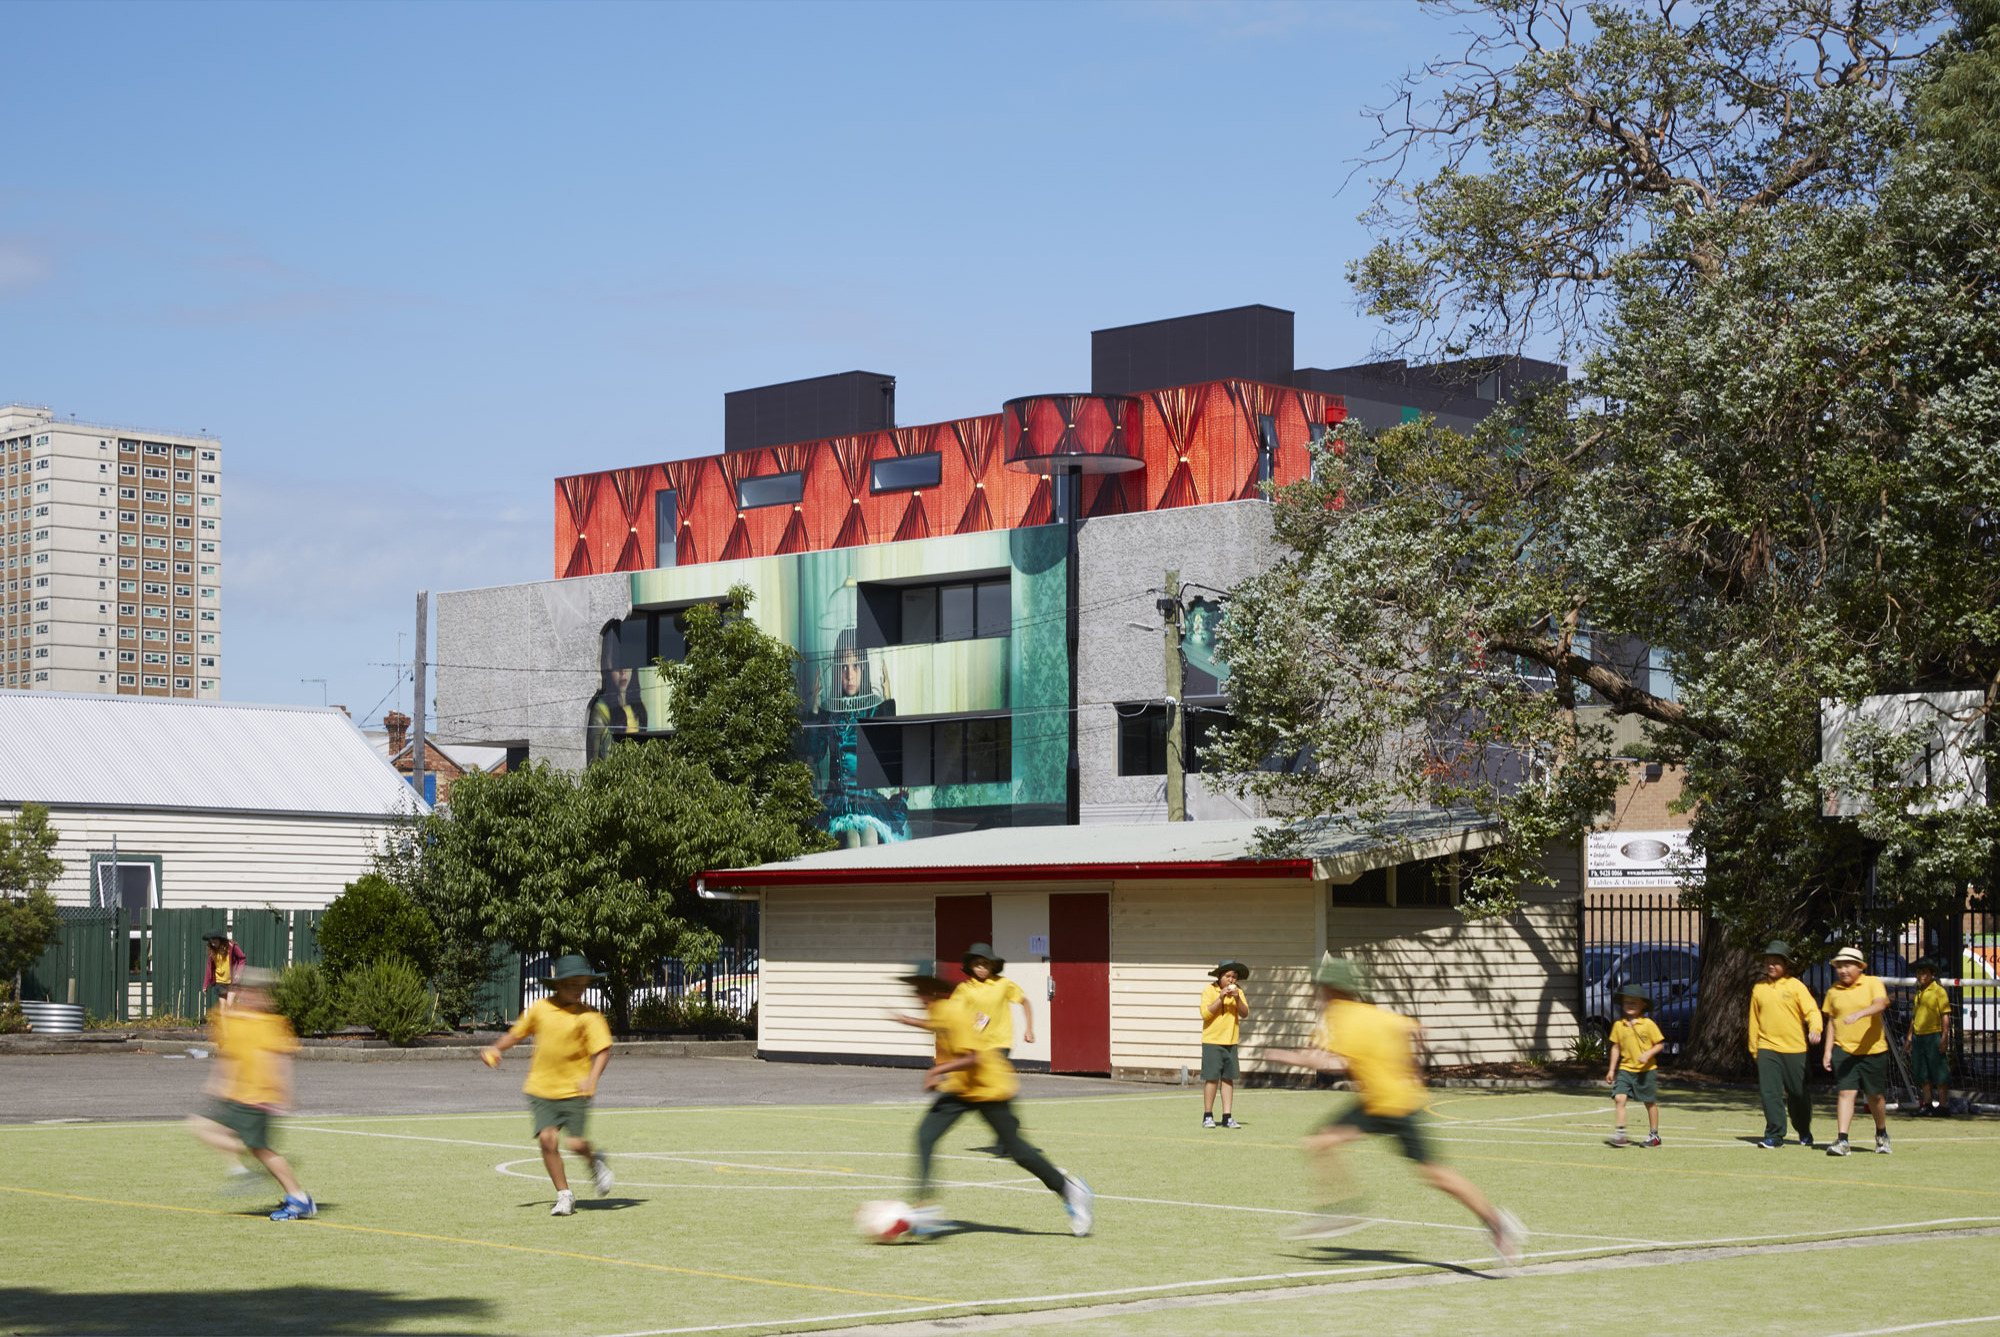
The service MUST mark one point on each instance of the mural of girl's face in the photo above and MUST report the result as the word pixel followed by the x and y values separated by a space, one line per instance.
pixel 619 678
pixel 849 673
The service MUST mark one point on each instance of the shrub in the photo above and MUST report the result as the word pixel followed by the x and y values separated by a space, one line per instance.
pixel 12 1019
pixel 389 997
pixel 159 1021
pixel 1589 1047
pixel 305 997
pixel 371 920
pixel 690 1015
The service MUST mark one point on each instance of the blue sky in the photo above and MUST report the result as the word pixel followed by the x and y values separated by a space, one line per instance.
pixel 411 263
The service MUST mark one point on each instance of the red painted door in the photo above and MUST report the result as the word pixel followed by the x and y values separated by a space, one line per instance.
pixel 961 921
pixel 1080 967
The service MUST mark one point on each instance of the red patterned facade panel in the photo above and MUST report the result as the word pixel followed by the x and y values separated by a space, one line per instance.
pixel 1199 444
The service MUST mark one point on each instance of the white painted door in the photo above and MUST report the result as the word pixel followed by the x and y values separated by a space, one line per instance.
pixel 1021 936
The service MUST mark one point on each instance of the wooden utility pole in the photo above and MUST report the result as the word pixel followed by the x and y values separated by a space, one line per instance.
pixel 417 698
pixel 1170 610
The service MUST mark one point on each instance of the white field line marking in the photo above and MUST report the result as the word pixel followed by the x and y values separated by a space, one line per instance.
pixel 1524 1118
pixel 1342 1272
pixel 858 1181
pixel 1919 1327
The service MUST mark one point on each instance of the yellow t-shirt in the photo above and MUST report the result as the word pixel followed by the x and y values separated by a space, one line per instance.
pixel 1782 1015
pixel 991 1002
pixel 221 964
pixel 249 1049
pixel 991 1077
pixel 1224 1027
pixel 1634 1038
pixel 566 1040
pixel 1928 1012
pixel 1381 1058
pixel 1857 1037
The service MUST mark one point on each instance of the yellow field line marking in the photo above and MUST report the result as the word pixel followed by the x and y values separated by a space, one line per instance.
pixel 490 1244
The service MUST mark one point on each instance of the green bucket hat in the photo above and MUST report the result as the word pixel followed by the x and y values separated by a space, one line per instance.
pixel 571 967
pixel 1778 947
pixel 1242 971
pixel 1637 991
pixel 982 951
pixel 923 976
pixel 1335 972
pixel 1925 963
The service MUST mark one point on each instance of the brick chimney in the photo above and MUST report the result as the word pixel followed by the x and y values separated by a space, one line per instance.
pixel 398 725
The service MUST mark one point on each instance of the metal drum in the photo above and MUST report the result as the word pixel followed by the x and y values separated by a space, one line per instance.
pixel 54 1018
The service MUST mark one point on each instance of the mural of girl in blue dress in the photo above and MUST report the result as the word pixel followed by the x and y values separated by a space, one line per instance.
pixel 846 696
pixel 616 711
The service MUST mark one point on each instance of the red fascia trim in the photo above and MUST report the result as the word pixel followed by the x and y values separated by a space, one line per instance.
pixel 780 876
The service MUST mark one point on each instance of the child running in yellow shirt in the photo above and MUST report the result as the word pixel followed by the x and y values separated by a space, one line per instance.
pixel 1636 1044
pixel 252 1080
pixel 572 1046
pixel 992 999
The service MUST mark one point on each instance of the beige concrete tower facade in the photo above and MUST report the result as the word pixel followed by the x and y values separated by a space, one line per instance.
pixel 112 550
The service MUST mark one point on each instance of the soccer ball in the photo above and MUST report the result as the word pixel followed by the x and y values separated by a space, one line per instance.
pixel 883 1221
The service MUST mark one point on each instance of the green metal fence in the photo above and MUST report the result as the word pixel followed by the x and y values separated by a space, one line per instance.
pixel 180 959
pixel 305 936
pixel 84 965
pixel 265 936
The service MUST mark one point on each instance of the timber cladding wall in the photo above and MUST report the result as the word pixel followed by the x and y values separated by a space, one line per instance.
pixel 221 859
pixel 828 967
pixel 1167 936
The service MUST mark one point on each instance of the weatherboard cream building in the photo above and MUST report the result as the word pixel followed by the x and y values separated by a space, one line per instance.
pixel 1112 930
pixel 206 803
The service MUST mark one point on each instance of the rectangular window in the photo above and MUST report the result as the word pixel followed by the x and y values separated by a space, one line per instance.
pixel 787 489
pixel 942 752
pixel 1142 736
pixel 1371 888
pixel 125 679
pixel 922 614
pixel 1267 446
pixel 666 527
pixel 128 470
pixel 906 473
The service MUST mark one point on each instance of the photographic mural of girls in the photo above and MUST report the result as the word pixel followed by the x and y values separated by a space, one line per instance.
pixel 616 711
pixel 847 694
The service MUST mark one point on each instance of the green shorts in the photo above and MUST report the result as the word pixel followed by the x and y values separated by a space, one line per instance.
pixel 1641 1086
pixel 1218 1063
pixel 1927 1062
pixel 1866 1073
pixel 251 1125
pixel 565 1115
pixel 1403 1127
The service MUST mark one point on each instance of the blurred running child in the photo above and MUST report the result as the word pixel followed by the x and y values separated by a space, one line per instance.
pixel 993 1000
pixel 1854 1008
pixel 1929 1039
pixel 971 1079
pixel 572 1045
pixel 1223 1009
pixel 1784 1021
pixel 250 1082
pixel 1381 1052
pixel 1634 1073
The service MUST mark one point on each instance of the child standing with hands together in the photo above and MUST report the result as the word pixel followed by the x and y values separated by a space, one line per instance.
pixel 1636 1044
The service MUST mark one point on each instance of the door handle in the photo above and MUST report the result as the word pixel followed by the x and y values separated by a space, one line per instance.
pixel 1052 986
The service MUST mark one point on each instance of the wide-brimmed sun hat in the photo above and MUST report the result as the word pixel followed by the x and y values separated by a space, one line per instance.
pixel 1850 954
pixel 1242 971
pixel 1335 972
pixel 1779 948
pixel 982 951
pixel 1637 991
pixel 571 967
pixel 923 976
pixel 1925 963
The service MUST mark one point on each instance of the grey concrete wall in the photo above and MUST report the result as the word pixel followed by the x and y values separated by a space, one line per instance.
pixel 517 664
pixel 1122 658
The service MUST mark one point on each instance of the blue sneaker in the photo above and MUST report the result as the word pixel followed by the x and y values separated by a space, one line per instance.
pixel 926 1222
pixel 1767 1144
pixel 295 1209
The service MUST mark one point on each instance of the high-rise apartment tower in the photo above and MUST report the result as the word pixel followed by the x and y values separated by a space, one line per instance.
pixel 112 550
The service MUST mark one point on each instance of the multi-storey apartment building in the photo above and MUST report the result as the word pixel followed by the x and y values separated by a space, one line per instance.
pixel 112 551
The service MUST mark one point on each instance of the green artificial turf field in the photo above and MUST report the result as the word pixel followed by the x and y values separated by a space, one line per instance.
pixel 738 1219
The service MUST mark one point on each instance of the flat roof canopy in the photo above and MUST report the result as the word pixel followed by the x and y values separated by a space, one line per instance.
pixel 1336 849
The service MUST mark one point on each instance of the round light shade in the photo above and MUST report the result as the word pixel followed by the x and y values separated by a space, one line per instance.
pixel 1093 434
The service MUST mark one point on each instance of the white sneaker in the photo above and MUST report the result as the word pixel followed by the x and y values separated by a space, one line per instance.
pixel 600 1174
pixel 565 1204
pixel 1509 1236
pixel 1077 1201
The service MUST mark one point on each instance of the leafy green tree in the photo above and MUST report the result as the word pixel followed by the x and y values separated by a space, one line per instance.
pixel 600 863
pixel 371 920
pixel 1776 470
pixel 733 706
pixel 28 917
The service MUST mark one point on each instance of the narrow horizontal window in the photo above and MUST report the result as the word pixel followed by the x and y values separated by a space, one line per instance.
pixel 771 490
pixel 906 473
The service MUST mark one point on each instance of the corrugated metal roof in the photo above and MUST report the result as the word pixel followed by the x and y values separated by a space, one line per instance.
pixel 1336 845
pixel 66 750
